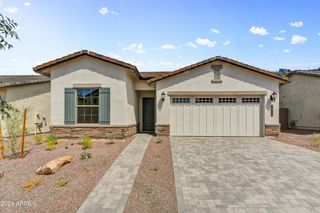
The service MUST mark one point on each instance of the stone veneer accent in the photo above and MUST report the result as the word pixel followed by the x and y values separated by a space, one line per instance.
pixel 162 129
pixel 272 129
pixel 95 131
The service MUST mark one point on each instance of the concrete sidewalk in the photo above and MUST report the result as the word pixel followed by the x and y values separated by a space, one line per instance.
pixel 112 192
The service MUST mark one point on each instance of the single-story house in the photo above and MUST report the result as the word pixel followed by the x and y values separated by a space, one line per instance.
pixel 31 92
pixel 92 94
pixel 301 98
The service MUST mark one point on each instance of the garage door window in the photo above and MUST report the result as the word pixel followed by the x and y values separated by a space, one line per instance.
pixel 180 100
pixel 203 100
pixel 250 100
pixel 227 100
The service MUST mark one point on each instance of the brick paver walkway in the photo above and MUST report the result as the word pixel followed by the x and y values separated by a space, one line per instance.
pixel 112 192
pixel 245 175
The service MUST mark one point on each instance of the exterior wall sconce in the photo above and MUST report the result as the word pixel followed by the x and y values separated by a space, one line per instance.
pixel 163 96
pixel 273 96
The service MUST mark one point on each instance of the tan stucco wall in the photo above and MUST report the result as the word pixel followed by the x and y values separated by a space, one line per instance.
pixel 84 70
pixel 302 97
pixel 234 79
pixel 34 97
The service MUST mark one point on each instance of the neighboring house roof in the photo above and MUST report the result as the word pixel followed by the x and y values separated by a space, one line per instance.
pixel 310 73
pixel 40 68
pixel 15 80
pixel 223 59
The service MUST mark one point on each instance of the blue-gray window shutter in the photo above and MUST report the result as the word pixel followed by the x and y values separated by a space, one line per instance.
pixel 104 106
pixel 69 106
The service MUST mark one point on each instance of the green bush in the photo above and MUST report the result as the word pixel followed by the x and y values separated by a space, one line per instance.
pixel 51 145
pixel 38 139
pixel 85 154
pixel 315 140
pixel 110 137
pixel 14 127
pixel 53 138
pixel 86 142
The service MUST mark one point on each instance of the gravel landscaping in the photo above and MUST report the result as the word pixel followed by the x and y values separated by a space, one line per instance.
pixel 298 137
pixel 64 191
pixel 154 189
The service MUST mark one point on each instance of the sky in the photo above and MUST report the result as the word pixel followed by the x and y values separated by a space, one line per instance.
pixel 165 35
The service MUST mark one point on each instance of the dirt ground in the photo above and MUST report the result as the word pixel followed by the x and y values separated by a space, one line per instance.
pixel 82 174
pixel 154 189
pixel 298 137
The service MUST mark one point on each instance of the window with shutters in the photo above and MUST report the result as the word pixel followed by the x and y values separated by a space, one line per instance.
pixel 87 105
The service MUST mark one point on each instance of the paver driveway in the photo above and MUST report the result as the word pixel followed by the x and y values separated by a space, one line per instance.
pixel 244 175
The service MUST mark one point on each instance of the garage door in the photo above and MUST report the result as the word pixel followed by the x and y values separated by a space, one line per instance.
pixel 215 116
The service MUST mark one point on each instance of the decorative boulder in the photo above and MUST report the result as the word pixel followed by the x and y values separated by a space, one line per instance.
pixel 54 165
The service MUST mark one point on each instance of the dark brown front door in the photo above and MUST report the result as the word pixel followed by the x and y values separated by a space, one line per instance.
pixel 147 114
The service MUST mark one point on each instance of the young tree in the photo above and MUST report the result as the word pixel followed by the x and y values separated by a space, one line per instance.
pixel 5 112
pixel 7 29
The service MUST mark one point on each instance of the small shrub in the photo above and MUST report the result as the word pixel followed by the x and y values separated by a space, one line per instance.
pixel 32 183
pixel 85 155
pixel 158 140
pixel 154 169
pixel 14 126
pixel 315 140
pixel 86 142
pixel 61 182
pixel 51 145
pixel 110 137
pixel 53 138
pixel 38 139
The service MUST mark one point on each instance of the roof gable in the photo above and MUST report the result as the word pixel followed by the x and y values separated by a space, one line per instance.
pixel 222 59
pixel 41 68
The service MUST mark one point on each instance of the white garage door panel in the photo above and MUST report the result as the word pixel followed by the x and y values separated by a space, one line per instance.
pixel 215 119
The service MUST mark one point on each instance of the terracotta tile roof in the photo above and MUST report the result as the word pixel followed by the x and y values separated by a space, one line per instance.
pixel 40 68
pixel 222 59
pixel 15 80
pixel 310 73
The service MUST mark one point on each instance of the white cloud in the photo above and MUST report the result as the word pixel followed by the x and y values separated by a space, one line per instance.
pixel 259 31
pixel 27 4
pixel 226 43
pixel 216 31
pixel 191 44
pixel 206 42
pixel 296 39
pixel 114 13
pixel 286 51
pixel 168 47
pixel 103 10
pixel 318 34
pixel 11 9
pixel 179 56
pixel 296 24
pixel 260 45
pixel 282 31
pixel 279 38
pixel 137 48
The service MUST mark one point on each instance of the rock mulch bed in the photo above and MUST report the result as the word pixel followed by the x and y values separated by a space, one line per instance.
pixel 298 137
pixel 154 189
pixel 80 177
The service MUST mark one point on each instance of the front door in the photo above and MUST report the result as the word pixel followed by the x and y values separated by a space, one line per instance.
pixel 147 114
